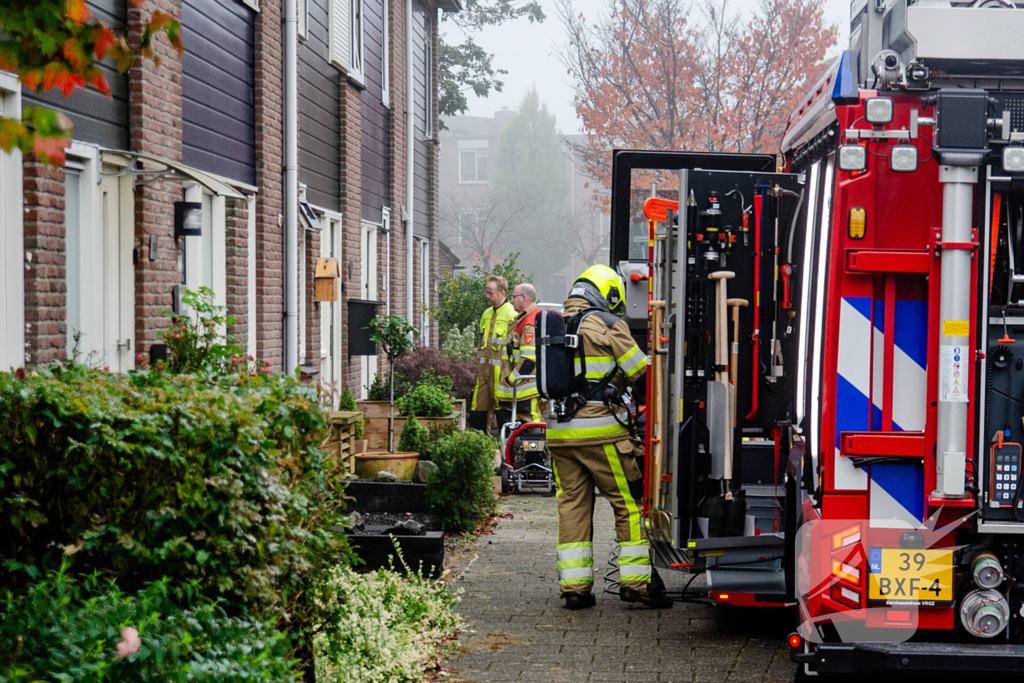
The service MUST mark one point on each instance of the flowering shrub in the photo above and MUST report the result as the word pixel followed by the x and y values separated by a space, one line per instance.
pixel 88 630
pixel 383 628
pixel 192 340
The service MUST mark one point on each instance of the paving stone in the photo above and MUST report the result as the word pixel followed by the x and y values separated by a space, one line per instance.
pixel 522 633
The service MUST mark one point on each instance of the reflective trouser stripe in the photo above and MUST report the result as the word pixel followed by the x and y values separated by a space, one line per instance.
pixel 623 485
pixel 639 549
pixel 576 575
pixel 635 572
pixel 558 482
pixel 575 553
pixel 491 361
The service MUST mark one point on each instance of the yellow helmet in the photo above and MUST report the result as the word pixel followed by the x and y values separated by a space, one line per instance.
pixel 608 284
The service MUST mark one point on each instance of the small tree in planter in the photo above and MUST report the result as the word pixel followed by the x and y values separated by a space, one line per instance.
pixel 395 336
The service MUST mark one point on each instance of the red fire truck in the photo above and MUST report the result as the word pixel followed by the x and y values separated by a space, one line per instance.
pixel 836 343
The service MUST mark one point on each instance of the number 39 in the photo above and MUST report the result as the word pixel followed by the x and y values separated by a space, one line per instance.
pixel 918 559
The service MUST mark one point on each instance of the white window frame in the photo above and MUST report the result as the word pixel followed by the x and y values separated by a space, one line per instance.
pixel 428 76
pixel 12 236
pixel 368 270
pixel 385 75
pixel 479 148
pixel 385 226
pixel 254 5
pixel 331 246
pixel 84 255
pixel 346 37
pixel 303 14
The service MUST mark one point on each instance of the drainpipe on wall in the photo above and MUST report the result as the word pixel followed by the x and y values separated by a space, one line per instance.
pixel 291 186
pixel 410 174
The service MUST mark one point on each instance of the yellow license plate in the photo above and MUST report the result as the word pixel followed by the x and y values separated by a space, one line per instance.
pixel 896 575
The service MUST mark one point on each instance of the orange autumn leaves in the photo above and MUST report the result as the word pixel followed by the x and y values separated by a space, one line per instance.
pixel 673 75
pixel 59 45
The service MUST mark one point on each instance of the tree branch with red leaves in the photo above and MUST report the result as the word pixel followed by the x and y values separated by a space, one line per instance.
pixel 58 44
pixel 648 75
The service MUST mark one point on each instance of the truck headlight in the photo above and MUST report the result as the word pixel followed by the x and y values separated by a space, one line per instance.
pixel 1013 159
pixel 852 158
pixel 903 158
pixel 878 110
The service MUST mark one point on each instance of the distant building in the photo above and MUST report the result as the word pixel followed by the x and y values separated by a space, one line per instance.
pixel 468 152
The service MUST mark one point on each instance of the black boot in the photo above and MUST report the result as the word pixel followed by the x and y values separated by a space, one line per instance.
pixel 656 599
pixel 579 600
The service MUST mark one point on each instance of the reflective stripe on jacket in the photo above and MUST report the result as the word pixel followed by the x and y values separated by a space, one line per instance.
pixel 605 349
pixel 494 325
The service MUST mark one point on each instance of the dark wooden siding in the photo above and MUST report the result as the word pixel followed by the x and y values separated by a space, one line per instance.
pixel 319 114
pixel 97 119
pixel 424 148
pixel 218 76
pixel 376 117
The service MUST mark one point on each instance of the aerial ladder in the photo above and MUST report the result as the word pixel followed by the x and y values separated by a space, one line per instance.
pixel 836 346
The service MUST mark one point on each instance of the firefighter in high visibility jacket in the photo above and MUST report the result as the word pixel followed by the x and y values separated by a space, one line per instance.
pixel 595 447
pixel 494 324
pixel 520 359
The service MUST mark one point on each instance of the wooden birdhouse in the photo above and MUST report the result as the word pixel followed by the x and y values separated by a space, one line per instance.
pixel 326 278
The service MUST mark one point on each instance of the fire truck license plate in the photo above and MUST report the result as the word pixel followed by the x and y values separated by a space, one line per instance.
pixel 897 575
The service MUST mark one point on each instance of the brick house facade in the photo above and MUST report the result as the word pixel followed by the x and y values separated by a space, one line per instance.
pixel 97 237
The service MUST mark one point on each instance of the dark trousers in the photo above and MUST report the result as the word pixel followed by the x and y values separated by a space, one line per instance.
pixel 478 420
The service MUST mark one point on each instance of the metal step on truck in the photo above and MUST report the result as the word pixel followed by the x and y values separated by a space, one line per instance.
pixel 835 415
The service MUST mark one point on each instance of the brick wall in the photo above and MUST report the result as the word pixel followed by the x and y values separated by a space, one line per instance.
pixel 45 282
pixel 269 180
pixel 351 211
pixel 155 121
pixel 237 257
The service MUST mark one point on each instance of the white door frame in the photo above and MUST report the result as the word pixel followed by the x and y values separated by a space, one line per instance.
pixel 368 291
pixel 330 311
pixel 84 255
pixel 116 206
pixel 12 238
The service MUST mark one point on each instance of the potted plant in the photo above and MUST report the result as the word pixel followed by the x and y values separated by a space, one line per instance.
pixel 395 336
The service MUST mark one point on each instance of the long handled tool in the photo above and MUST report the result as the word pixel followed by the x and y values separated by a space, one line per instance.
pixel 734 359
pixel 720 389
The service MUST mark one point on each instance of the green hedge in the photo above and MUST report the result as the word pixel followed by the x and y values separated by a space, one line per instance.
pixel 147 475
pixel 88 631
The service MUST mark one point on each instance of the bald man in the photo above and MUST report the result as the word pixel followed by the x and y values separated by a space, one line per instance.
pixel 519 359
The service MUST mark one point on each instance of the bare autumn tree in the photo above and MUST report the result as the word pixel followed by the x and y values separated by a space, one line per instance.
pixel 648 74
pixel 483 237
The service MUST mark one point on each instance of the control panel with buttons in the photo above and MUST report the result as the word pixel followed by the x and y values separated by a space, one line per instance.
pixel 1005 474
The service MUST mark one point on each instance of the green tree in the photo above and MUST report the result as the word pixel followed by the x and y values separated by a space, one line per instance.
pixel 396 336
pixel 467 67
pixel 461 297
pixel 531 177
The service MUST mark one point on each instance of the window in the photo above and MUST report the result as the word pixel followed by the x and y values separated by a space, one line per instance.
pixel 252 4
pixel 303 19
pixel 345 35
pixel 385 75
pixel 473 161
pixel 12 248
pixel 428 76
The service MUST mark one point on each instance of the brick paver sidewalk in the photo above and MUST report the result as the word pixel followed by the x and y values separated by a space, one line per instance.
pixel 517 629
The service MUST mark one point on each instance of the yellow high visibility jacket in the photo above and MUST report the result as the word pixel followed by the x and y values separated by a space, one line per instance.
pixel 606 349
pixel 519 358
pixel 494 326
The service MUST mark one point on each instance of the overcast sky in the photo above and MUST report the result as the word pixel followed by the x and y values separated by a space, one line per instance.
pixel 527 52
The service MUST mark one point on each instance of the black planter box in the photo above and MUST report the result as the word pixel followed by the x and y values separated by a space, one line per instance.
pixel 375 549
pixel 377 496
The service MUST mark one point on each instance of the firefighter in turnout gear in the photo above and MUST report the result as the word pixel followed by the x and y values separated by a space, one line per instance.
pixel 520 359
pixel 494 324
pixel 595 447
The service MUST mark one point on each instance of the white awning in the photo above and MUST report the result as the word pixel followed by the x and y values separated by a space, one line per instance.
pixel 173 170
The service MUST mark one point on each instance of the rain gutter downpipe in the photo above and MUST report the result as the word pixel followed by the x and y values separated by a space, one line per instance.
pixel 291 187
pixel 410 173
